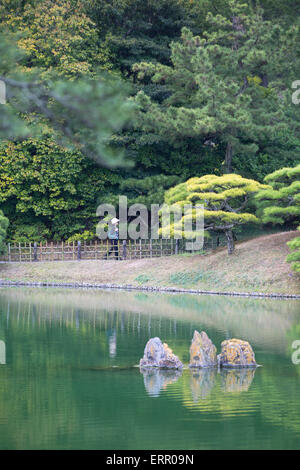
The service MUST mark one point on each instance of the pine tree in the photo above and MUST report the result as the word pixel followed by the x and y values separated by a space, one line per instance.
pixel 280 203
pixel 226 88
pixel 147 191
pixel 137 30
pixel 224 199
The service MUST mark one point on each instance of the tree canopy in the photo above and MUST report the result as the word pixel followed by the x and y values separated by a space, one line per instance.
pixel 280 204
pixel 224 199
pixel 156 92
pixel 281 201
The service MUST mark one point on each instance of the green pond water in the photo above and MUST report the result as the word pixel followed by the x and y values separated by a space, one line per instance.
pixel 68 381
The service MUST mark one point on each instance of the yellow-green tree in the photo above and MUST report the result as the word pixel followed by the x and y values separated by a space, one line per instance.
pixel 224 199
pixel 280 204
pixel 58 37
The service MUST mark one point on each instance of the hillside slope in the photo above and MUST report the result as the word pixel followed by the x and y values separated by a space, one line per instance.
pixel 258 265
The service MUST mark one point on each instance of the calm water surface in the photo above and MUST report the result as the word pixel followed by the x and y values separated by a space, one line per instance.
pixel 68 381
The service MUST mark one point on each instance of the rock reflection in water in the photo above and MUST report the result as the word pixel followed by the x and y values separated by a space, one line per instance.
pixel 236 380
pixel 202 381
pixel 2 353
pixel 156 379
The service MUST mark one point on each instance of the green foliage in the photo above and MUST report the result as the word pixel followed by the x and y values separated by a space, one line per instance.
pixel 48 192
pixel 213 95
pixel 210 96
pixel 294 257
pixel 84 236
pixel 143 278
pixel 224 199
pixel 143 31
pixel 147 191
pixel 3 228
pixel 190 278
pixel 58 37
pixel 284 11
pixel 24 233
pixel 138 30
pixel 82 113
pixel 280 203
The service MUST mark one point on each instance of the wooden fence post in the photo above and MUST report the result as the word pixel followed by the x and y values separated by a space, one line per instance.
pixel 124 249
pixel 79 250
pixel 176 246
pixel 35 251
pixel 150 247
pixel 9 255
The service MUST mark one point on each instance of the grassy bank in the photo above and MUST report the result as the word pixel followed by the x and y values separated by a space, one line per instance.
pixel 258 265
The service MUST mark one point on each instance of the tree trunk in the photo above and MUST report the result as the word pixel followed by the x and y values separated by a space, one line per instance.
pixel 228 158
pixel 230 241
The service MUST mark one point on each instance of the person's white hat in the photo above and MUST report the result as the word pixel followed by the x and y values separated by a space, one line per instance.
pixel 114 220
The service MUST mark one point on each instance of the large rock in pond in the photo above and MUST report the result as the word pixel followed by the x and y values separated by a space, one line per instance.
pixel 236 353
pixel 158 354
pixel 203 353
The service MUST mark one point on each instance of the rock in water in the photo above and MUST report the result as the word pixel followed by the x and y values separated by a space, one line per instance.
pixel 157 354
pixel 236 353
pixel 203 353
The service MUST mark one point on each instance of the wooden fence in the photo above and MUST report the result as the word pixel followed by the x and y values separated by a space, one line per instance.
pixel 99 249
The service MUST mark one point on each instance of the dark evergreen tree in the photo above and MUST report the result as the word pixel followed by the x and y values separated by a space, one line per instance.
pixel 226 88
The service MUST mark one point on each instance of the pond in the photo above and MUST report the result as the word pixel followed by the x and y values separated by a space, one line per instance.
pixel 68 378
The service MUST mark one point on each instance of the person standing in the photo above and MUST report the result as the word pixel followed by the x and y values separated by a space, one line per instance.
pixel 113 235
